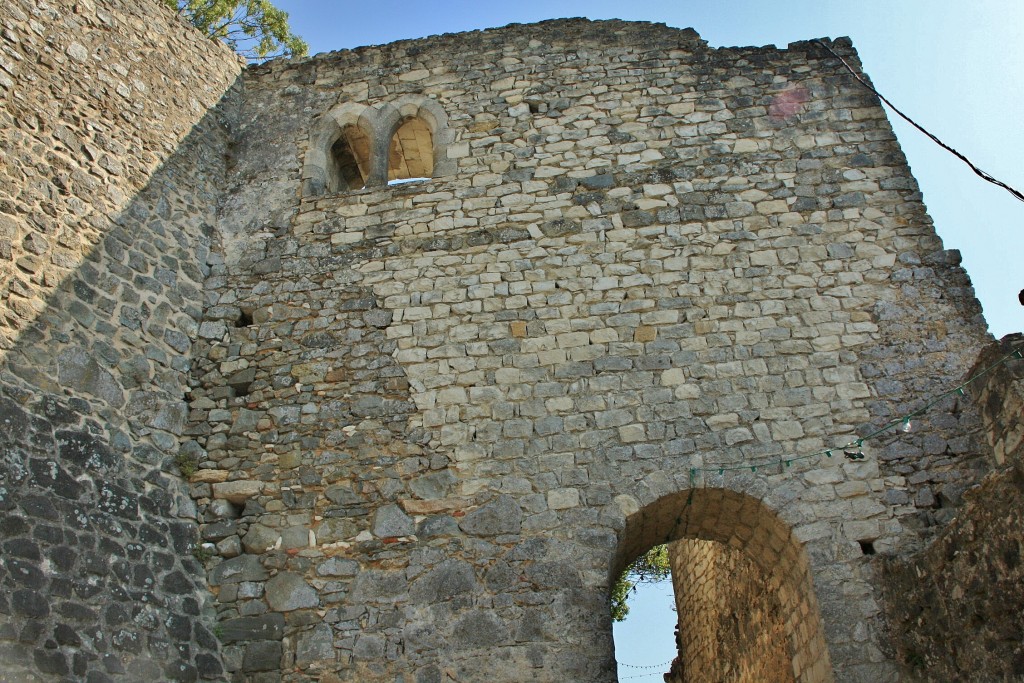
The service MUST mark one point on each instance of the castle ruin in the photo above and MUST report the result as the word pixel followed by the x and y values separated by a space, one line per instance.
pixel 382 365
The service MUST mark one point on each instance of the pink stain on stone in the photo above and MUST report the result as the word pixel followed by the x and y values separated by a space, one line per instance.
pixel 788 103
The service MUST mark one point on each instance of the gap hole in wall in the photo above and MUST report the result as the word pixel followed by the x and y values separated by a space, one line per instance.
pixel 867 547
pixel 244 318
pixel 350 158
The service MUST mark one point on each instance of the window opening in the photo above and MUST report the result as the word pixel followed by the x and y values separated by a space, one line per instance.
pixel 411 154
pixel 406 181
pixel 350 156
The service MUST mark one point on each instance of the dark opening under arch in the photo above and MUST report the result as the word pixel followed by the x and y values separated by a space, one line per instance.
pixel 349 159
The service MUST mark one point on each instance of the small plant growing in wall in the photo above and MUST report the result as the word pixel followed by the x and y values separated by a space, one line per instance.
pixel 187 464
pixel 914 659
pixel 202 553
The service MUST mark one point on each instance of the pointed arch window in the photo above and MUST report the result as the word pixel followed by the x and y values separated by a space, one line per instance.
pixel 349 160
pixel 356 146
pixel 411 152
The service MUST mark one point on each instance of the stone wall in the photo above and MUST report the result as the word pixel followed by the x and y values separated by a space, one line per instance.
pixel 427 424
pixel 731 626
pixel 111 164
pixel 957 606
pixel 434 420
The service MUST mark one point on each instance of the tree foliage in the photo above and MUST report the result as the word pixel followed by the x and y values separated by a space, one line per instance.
pixel 651 567
pixel 254 29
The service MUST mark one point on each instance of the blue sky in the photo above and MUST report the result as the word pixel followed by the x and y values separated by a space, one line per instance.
pixel 954 66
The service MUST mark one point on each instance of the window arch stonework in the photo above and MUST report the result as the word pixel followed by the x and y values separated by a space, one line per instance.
pixel 355 143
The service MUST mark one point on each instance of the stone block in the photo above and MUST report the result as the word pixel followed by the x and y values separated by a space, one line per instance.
pixel 562 499
pixel 238 491
pixel 389 521
pixel 500 516
pixel 77 370
pixel 260 539
pixel 264 627
pixel 289 591
pixel 204 476
pixel 262 655
pixel 645 333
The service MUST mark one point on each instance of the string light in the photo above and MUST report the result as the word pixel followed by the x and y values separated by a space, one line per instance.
pixel 645 666
pixel 854 450
pixel 659 672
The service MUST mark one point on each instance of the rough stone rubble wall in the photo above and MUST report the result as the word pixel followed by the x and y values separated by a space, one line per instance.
pixel 425 413
pixel 958 606
pixel 110 164
pixel 731 626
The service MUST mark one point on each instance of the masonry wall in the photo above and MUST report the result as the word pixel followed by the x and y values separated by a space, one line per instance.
pixel 110 169
pixel 426 414
pixel 956 606
pixel 731 625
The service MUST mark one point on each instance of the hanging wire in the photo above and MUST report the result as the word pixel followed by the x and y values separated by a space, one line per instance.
pixel 982 174
pixel 653 673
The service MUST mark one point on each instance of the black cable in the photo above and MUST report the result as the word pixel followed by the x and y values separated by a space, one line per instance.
pixel 982 174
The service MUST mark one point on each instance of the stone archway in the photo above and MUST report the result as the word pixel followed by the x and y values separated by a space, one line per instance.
pixel 743 587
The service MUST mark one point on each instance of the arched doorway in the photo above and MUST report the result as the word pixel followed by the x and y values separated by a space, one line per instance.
pixel 743 590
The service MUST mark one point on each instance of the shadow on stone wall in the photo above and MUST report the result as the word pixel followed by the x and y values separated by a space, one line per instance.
pixel 957 606
pixel 99 580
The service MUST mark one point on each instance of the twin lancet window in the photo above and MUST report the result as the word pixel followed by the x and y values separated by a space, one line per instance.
pixel 410 155
pixel 355 146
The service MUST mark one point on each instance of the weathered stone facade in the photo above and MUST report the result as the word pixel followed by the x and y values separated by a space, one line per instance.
pixel 957 607
pixel 470 400
pixel 110 171
pixel 428 423
pixel 732 626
